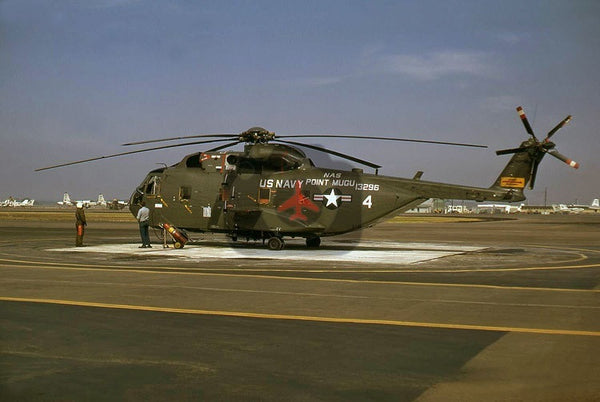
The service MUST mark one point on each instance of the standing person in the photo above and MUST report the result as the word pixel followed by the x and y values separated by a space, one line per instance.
pixel 80 224
pixel 143 217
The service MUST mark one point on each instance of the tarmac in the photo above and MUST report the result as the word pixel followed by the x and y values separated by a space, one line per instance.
pixel 499 309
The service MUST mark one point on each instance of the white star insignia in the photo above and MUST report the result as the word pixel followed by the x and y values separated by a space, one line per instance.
pixel 332 198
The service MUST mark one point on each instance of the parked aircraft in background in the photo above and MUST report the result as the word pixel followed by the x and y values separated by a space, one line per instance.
pixel 100 202
pixel 66 202
pixel 11 202
pixel 564 209
pixel 594 206
pixel 117 204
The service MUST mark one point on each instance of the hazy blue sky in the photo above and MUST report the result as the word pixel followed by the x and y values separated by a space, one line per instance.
pixel 78 78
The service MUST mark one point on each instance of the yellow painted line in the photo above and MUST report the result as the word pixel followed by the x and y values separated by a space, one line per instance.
pixel 240 314
pixel 171 271
pixel 564 248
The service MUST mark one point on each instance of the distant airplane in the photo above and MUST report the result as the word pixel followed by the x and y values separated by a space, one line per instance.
pixel 66 201
pixel 101 202
pixel 117 204
pixel 11 202
pixel 594 206
pixel 563 208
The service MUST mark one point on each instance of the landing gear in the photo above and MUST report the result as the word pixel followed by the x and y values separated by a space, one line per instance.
pixel 275 243
pixel 313 242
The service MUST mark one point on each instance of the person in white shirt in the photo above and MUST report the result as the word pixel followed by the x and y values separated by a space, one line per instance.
pixel 143 217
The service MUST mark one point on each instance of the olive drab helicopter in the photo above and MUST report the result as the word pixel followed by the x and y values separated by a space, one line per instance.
pixel 272 190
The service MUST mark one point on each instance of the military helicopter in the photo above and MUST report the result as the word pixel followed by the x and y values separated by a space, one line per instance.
pixel 272 190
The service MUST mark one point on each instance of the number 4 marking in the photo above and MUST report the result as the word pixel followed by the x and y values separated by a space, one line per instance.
pixel 368 202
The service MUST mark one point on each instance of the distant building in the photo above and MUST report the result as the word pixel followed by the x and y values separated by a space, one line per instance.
pixel 424 208
pixel 537 209
pixel 457 209
pixel 498 208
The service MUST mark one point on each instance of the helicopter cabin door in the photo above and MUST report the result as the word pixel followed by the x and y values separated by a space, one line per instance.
pixel 237 194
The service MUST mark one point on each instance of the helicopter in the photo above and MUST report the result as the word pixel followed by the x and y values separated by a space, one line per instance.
pixel 272 190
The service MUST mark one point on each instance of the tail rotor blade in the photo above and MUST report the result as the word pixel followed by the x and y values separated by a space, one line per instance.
pixel 563 158
pixel 532 176
pixel 525 121
pixel 558 127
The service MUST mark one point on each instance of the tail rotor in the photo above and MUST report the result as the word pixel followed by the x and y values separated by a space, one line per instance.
pixel 537 149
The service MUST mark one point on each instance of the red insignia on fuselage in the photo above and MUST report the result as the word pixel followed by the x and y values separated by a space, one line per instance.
pixel 298 201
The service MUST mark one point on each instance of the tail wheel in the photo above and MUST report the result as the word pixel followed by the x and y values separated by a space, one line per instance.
pixel 275 243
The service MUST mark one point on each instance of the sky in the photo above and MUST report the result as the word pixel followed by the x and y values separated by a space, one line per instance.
pixel 79 78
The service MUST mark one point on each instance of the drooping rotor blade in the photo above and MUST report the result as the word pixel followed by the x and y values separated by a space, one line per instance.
pixel 563 158
pixel 231 136
pixel 223 146
pixel 360 137
pixel 558 126
pixel 329 151
pixel 525 121
pixel 129 153
pixel 512 151
pixel 534 169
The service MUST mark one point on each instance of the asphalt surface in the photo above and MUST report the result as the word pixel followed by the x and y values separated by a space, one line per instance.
pixel 516 318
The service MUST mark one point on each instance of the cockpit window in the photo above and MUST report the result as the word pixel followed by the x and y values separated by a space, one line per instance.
pixel 153 186
pixel 275 163
pixel 194 161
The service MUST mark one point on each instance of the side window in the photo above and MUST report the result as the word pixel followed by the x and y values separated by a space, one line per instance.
pixel 185 193
pixel 264 196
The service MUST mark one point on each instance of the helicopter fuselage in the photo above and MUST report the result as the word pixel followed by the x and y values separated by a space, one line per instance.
pixel 274 190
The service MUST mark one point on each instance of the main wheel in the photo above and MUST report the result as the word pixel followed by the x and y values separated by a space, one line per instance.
pixel 275 243
pixel 313 242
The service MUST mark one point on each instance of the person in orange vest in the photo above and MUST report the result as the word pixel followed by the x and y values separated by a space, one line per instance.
pixel 80 224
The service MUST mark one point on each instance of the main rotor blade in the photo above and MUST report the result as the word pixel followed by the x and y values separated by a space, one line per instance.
pixel 223 146
pixel 525 121
pixel 232 136
pixel 360 137
pixel 563 158
pixel 558 126
pixel 128 153
pixel 512 151
pixel 329 151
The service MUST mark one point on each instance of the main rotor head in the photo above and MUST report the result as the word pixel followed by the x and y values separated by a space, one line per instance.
pixel 256 135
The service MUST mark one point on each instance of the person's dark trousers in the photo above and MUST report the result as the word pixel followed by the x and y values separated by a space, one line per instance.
pixel 144 233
